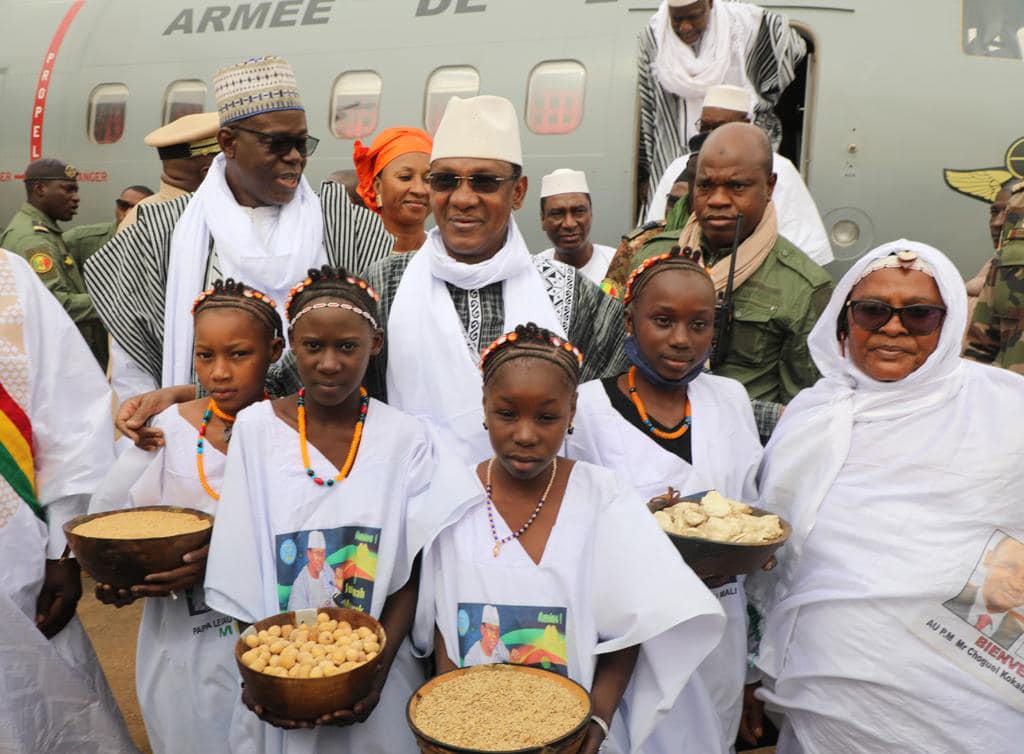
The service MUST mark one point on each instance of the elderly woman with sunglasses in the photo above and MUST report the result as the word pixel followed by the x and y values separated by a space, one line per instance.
pixel 900 472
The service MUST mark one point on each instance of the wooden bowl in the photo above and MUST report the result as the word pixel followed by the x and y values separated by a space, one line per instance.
pixel 710 559
pixel 123 563
pixel 306 699
pixel 570 743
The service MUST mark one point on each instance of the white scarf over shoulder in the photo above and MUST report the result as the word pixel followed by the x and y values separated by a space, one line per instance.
pixel 723 50
pixel 432 369
pixel 273 267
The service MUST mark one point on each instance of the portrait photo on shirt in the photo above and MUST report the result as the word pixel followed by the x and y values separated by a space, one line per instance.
pixel 327 567
pixel 514 634
pixel 992 600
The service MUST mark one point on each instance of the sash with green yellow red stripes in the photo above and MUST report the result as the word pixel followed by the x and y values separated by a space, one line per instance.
pixel 16 461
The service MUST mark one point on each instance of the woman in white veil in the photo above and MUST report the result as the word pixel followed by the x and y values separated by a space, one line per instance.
pixel 898 470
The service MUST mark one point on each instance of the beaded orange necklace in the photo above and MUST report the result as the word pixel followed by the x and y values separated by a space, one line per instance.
pixel 228 419
pixel 353 448
pixel 635 397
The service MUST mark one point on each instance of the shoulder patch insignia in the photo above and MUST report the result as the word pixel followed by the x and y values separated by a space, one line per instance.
pixel 40 229
pixel 41 263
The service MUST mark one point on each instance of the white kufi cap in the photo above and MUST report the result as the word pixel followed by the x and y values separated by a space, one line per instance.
pixel 484 127
pixel 564 181
pixel 490 616
pixel 726 97
pixel 316 541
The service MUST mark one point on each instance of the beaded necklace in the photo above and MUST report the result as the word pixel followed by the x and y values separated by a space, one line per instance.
pixel 635 397
pixel 498 542
pixel 353 448
pixel 228 419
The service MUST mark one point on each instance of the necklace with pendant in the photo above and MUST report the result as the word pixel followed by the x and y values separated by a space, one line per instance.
pixel 499 541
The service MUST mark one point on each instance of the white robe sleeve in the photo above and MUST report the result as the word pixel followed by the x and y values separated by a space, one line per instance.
pixel 799 219
pixel 127 378
pixel 662 606
pixel 70 409
pixel 234 573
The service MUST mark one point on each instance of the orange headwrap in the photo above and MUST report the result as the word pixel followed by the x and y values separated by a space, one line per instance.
pixel 389 144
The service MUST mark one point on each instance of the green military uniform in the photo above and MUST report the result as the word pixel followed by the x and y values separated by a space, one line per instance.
pixel 996 332
pixel 36 237
pixel 773 312
pixel 85 240
pixel 628 255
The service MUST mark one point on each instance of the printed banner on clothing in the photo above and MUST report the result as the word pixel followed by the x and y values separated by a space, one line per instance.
pixel 980 629
pixel 516 634
pixel 327 567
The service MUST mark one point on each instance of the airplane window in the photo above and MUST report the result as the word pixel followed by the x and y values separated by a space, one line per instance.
pixel 554 98
pixel 356 101
pixel 184 98
pixel 443 84
pixel 107 105
pixel 993 28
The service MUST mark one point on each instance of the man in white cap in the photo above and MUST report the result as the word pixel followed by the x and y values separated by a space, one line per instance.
pixel 691 45
pixel 254 218
pixel 186 148
pixel 489 649
pixel 799 219
pixel 566 215
pixel 314 586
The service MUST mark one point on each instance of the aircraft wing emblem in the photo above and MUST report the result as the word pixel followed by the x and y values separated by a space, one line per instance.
pixel 981 184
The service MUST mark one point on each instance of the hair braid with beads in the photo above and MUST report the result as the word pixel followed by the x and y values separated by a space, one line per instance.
pixel 685 260
pixel 335 283
pixel 234 294
pixel 532 341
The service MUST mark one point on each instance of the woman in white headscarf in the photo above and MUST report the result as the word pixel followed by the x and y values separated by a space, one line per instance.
pixel 900 471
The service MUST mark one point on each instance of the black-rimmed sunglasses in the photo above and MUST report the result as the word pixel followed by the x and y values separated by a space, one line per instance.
pixel 281 145
pixel 481 183
pixel 918 319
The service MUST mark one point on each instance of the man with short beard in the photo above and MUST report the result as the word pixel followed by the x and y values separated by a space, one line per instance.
pixel 254 218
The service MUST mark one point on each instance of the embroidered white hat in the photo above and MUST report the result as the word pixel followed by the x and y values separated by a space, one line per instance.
pixel 259 85
pixel 484 127
pixel 564 181
pixel 316 541
pixel 490 616
pixel 729 97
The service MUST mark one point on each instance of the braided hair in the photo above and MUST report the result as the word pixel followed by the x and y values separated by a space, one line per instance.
pixel 532 341
pixel 333 283
pixel 234 294
pixel 686 260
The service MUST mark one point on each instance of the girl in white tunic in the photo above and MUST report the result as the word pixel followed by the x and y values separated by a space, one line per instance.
pixel 558 562
pixel 185 674
pixel 328 481
pixel 900 472
pixel 667 423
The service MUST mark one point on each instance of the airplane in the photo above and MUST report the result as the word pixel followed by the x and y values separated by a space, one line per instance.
pixel 904 117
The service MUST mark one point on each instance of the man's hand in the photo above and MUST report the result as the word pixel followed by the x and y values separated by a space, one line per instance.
pixel 359 713
pixel 109 595
pixel 137 410
pixel 62 588
pixel 162 584
pixel 752 719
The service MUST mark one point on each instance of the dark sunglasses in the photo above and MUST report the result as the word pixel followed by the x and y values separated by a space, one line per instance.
pixel 918 319
pixel 283 145
pixel 481 183
pixel 123 205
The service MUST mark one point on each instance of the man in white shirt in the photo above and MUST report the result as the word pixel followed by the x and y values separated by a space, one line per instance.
pixel 566 216
pixel 993 608
pixel 314 586
pixel 489 649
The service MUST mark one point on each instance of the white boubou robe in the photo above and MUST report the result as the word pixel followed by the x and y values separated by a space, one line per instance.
pixel 267 501
pixel 895 491
pixel 55 698
pixel 608 579
pixel 185 674
pixel 726 453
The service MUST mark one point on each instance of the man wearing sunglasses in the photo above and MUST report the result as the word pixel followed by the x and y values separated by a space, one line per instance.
pixel 85 240
pixel 254 217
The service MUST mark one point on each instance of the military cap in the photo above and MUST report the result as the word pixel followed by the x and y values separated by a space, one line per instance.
pixel 189 136
pixel 50 169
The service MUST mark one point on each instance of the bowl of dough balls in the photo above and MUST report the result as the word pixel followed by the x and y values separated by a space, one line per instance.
pixel 304 664
pixel 718 537
pixel 122 547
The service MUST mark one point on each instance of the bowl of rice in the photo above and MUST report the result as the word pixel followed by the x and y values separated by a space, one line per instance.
pixel 718 537
pixel 304 664
pixel 122 547
pixel 513 709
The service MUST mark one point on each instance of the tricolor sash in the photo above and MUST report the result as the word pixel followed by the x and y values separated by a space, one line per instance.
pixel 16 460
